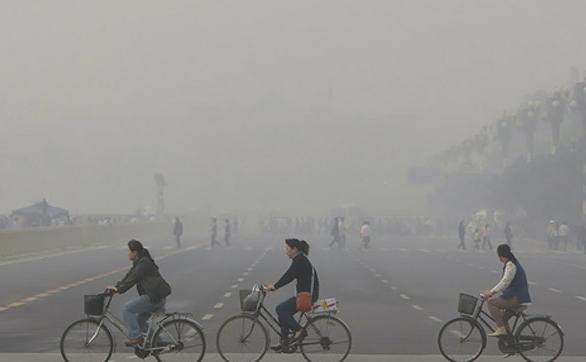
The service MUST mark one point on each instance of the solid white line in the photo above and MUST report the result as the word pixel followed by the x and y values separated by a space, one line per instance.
pixel 554 290
pixel 218 305
pixel 207 317
pixel 435 319
pixel 532 283
pixel 415 306
pixel 402 249
pixel 47 256
pixel 405 297
pixel 423 250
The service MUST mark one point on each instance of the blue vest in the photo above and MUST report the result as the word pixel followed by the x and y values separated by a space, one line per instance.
pixel 518 287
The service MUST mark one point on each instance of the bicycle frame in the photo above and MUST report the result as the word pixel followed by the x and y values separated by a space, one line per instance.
pixel 120 326
pixel 486 319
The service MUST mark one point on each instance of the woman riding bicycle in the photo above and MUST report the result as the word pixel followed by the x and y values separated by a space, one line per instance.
pixel 152 290
pixel 513 289
pixel 303 272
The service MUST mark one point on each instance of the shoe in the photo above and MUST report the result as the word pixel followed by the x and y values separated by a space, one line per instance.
pixel 499 332
pixel 133 342
pixel 299 336
pixel 282 347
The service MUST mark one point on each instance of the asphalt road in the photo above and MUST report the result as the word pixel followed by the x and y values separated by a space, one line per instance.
pixel 395 296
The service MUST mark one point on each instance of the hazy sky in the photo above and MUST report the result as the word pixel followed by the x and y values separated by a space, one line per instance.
pixel 280 105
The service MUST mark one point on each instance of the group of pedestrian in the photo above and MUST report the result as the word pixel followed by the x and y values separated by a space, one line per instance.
pixel 558 235
pixel 482 235
pixel 214 232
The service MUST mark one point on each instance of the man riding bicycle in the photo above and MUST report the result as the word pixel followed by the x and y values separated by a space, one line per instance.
pixel 152 290
pixel 513 289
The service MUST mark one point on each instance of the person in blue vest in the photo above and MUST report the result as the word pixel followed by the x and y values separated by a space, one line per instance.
pixel 510 292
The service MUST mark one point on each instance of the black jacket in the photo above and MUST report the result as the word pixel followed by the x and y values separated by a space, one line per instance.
pixel 301 270
pixel 145 275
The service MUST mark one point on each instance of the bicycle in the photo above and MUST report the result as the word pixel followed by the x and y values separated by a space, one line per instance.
pixel 244 337
pixel 535 338
pixel 170 336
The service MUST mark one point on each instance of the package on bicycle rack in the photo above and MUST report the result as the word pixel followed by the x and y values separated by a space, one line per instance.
pixel 93 304
pixel 467 304
pixel 328 305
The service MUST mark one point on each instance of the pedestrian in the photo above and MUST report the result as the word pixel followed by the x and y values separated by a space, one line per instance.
pixel 335 233
pixel 509 235
pixel 552 235
pixel 477 237
pixel 214 232
pixel 227 232
pixel 365 234
pixel 342 231
pixel 462 234
pixel 564 231
pixel 486 237
pixel 178 231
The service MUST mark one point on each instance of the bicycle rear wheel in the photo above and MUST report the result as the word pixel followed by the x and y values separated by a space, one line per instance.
pixel 179 340
pixel 539 340
pixel 86 340
pixel 461 340
pixel 242 338
pixel 328 340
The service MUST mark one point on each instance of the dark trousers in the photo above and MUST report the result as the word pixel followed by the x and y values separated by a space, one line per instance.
pixel 462 243
pixel 286 311
pixel 178 240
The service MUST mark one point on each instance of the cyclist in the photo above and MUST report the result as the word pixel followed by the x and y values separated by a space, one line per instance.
pixel 303 272
pixel 151 287
pixel 513 289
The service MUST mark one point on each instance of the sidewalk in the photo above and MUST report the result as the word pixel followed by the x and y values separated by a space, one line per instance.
pixel 212 357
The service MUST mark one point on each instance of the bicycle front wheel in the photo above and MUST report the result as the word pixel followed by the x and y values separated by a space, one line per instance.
pixel 242 338
pixel 328 340
pixel 539 340
pixel 179 340
pixel 86 340
pixel 461 340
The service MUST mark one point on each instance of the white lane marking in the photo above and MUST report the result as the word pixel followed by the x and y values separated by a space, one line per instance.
pixel 248 248
pixel 52 255
pixel 245 274
pixel 531 283
pixel 168 248
pixel 250 269
pixel 405 297
pixel 240 279
pixel 393 288
pixel 481 268
pixel 269 249
pixel 495 271
pixel 378 276
pixel 403 249
pixel 228 295
pixel 554 290
pixel 373 270
pixel 218 305
pixel 207 317
pixel 423 250
pixel 234 286
pixel 435 319
pixel 581 298
pixel 385 281
pixel 458 333
pixel 416 307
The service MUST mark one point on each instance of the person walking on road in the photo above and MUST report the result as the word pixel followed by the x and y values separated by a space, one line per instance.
pixel 462 234
pixel 307 279
pixel 214 232
pixel 365 234
pixel 152 290
pixel 335 233
pixel 552 235
pixel 564 234
pixel 178 231
pixel 486 237
pixel 477 238
pixel 227 232
pixel 342 231
pixel 509 235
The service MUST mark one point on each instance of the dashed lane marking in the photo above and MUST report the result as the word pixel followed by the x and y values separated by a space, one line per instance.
pixel 405 297
pixel 554 290
pixel 385 281
pixel 207 317
pixel 581 298
pixel 234 286
pixel 245 274
pixel 240 279
pixel 228 295
pixel 435 319
pixel 416 307
pixel 218 305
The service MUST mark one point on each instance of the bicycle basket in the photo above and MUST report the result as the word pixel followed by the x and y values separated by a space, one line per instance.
pixel 467 304
pixel 93 304
pixel 249 300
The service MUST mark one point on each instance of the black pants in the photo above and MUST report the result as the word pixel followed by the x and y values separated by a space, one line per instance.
pixel 286 311
pixel 462 243
pixel 178 240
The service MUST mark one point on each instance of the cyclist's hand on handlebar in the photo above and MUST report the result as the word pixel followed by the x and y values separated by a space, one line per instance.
pixel 112 290
pixel 486 294
pixel 269 287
